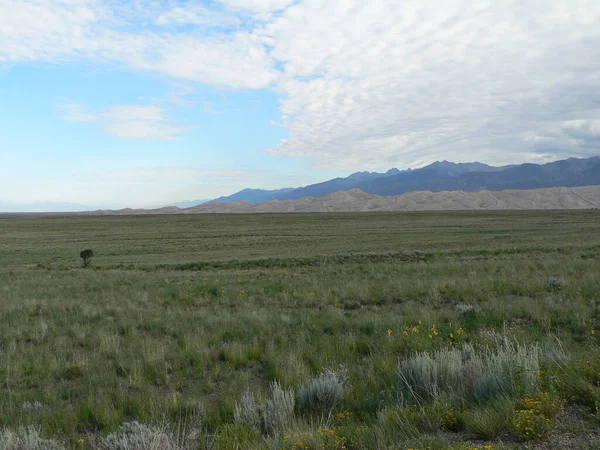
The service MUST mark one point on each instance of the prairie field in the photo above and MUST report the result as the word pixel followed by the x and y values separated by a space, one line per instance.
pixel 460 330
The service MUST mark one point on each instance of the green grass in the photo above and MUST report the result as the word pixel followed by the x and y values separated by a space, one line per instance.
pixel 178 316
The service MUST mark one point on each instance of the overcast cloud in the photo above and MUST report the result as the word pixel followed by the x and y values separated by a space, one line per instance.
pixel 363 84
pixel 372 85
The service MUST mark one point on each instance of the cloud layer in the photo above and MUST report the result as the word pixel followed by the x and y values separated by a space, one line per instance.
pixel 127 121
pixel 57 31
pixel 370 84
pixel 363 84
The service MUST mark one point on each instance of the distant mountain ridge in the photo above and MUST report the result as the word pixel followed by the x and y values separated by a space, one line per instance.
pixel 337 184
pixel 442 176
pixel 571 172
pixel 253 195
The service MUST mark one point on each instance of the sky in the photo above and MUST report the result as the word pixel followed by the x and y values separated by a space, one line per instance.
pixel 141 103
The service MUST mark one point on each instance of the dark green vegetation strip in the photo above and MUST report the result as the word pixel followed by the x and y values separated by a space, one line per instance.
pixel 83 350
pixel 271 263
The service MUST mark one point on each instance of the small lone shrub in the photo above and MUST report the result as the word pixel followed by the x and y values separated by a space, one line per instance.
pixel 324 391
pixel 86 256
pixel 272 415
pixel 463 309
pixel 556 283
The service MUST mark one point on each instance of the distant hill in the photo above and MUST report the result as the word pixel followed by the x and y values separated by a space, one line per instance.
pixel 188 203
pixel 585 197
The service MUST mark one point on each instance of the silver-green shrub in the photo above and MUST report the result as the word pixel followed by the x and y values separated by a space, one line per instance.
pixel 556 283
pixel 463 376
pixel 324 391
pixel 462 309
pixel 26 439
pixel 139 436
pixel 272 415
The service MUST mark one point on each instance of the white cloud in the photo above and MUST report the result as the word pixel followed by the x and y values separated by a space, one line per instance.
pixel 236 61
pixel 378 83
pixel 45 30
pixel 196 15
pixel 74 112
pixel 148 122
pixel 260 6
pixel 55 31
pixel 141 122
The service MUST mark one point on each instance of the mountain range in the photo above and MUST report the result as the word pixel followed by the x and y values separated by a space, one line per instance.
pixel 441 176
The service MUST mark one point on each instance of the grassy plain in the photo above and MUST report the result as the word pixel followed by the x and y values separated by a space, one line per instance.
pixel 179 316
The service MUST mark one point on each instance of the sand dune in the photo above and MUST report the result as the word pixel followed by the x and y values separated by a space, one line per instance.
pixel 585 197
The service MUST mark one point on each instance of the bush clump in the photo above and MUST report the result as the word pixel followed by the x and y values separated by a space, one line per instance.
pixel 139 436
pixel 272 415
pixel 325 391
pixel 26 439
pixel 464 376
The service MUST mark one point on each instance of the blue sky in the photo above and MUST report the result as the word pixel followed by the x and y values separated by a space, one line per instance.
pixel 148 102
pixel 60 135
